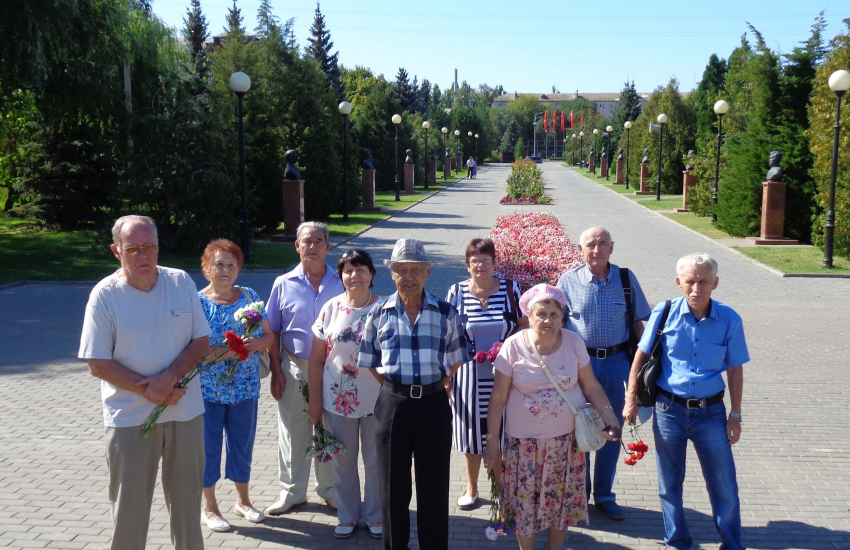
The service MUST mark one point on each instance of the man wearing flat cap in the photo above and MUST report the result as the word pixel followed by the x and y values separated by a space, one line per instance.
pixel 413 344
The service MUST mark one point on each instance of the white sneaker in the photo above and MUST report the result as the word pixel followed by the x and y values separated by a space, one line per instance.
pixel 467 502
pixel 216 523
pixel 251 514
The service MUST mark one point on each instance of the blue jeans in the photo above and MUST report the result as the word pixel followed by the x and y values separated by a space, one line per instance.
pixel 673 426
pixel 238 421
pixel 611 373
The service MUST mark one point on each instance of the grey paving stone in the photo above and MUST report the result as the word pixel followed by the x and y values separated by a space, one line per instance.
pixel 791 460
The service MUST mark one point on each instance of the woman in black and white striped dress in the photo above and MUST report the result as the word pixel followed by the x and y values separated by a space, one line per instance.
pixel 488 307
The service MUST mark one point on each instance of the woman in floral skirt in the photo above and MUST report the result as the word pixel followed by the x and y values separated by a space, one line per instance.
pixel 542 471
pixel 346 397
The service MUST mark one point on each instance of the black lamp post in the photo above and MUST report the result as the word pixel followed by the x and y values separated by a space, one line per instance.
pixel 345 110
pixel 628 126
pixel 457 148
pixel 608 130
pixel 595 150
pixel 426 126
pixel 662 120
pixel 580 149
pixel 839 82
pixel 573 150
pixel 476 147
pixel 240 83
pixel 396 121
pixel 721 108
pixel 445 132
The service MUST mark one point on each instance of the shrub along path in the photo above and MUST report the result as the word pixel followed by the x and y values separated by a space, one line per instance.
pixel 791 458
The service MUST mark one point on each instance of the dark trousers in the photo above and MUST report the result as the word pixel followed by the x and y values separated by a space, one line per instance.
pixel 422 428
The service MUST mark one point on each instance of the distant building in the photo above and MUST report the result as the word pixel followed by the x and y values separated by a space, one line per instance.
pixel 603 103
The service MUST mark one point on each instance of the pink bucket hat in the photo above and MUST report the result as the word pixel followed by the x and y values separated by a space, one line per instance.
pixel 541 292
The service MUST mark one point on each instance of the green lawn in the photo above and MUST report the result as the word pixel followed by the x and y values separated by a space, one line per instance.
pixel 795 260
pixel 28 252
pixel 669 203
pixel 701 224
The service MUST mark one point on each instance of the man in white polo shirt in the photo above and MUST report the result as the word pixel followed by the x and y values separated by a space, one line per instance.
pixel 143 330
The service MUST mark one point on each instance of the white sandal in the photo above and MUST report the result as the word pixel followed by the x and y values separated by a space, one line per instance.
pixel 216 524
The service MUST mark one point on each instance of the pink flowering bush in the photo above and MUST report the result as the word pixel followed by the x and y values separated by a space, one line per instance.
pixel 533 248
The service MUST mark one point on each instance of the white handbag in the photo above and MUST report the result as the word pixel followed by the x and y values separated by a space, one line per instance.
pixel 589 425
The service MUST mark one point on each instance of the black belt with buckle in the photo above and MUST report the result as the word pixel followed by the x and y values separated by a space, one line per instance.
pixel 604 353
pixel 414 391
pixel 693 403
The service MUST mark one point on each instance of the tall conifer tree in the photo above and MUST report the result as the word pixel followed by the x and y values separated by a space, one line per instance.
pixel 319 47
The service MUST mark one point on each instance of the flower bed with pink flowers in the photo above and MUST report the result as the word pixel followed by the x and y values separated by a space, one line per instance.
pixel 532 248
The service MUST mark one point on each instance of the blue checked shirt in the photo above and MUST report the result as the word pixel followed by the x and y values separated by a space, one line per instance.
pixel 597 308
pixel 418 354
pixel 696 351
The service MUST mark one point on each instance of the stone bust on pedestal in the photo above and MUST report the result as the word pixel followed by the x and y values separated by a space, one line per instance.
pixel 292 172
pixel 620 154
pixel 645 156
pixel 775 173
pixel 367 160
pixel 409 158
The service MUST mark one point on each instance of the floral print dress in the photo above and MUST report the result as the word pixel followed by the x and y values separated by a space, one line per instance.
pixel 346 390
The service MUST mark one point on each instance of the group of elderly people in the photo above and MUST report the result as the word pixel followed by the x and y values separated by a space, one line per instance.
pixel 403 379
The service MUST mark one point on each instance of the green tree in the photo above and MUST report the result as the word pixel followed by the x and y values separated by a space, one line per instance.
pixel 678 137
pixel 403 90
pixel 821 113
pixel 708 92
pixel 320 47
pixel 752 85
pixel 628 108
pixel 195 29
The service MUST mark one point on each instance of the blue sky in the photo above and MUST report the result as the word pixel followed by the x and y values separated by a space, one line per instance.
pixel 531 46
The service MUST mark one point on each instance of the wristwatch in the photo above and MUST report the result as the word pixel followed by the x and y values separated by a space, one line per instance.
pixel 736 415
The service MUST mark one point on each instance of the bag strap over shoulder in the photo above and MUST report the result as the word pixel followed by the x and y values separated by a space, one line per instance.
pixel 244 293
pixel 626 282
pixel 661 324
pixel 551 378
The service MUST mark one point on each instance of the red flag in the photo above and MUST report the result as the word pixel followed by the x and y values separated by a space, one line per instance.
pixel 563 128
pixel 572 119
pixel 581 120
pixel 554 121
pixel 545 120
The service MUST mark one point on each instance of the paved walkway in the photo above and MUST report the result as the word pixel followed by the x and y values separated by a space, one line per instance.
pixel 791 459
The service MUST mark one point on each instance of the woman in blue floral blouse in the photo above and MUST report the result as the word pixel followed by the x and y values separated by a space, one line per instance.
pixel 230 405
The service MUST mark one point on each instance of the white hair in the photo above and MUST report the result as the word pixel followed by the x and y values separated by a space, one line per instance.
pixel 119 224
pixel 695 260
pixel 307 225
pixel 584 234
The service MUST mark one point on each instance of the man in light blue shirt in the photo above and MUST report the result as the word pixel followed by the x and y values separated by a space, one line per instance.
pixel 597 310
pixel 297 298
pixel 701 339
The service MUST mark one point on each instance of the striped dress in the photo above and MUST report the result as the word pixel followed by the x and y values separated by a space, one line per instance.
pixel 473 382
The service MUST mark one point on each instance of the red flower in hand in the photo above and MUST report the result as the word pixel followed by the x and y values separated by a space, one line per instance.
pixel 481 356
pixel 236 345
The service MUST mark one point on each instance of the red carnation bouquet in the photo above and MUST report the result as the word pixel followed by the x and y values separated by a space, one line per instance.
pixel 637 448
pixel 232 342
pixel 237 346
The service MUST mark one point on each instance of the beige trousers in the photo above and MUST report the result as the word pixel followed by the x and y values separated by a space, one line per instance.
pixel 294 436
pixel 133 462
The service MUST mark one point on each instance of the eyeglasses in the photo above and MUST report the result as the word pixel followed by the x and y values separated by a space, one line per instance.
pixel 225 267
pixel 148 248
pixel 481 261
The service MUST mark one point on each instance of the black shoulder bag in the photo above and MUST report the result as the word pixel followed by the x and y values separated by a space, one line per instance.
pixel 647 378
